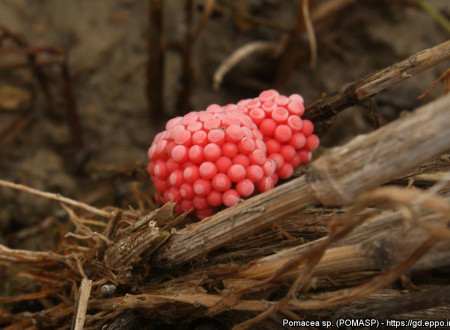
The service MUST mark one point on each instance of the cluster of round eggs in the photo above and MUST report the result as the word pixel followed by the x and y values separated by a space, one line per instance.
pixel 215 157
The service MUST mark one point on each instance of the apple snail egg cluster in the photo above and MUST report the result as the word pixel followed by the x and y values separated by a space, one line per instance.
pixel 216 157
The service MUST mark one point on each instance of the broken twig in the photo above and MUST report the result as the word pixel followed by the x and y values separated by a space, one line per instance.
pixel 321 111
pixel 57 197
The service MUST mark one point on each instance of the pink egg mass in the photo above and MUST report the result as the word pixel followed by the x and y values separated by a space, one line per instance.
pixel 218 156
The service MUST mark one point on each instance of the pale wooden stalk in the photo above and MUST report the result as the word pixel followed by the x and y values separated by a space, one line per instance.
pixel 344 259
pixel 381 243
pixel 386 222
pixel 384 251
pixel 81 304
pixel 337 178
pixel 308 225
pixel 153 301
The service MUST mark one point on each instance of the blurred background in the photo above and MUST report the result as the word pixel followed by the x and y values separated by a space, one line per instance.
pixel 85 85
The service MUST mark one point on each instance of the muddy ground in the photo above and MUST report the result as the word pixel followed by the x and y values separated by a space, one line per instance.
pixel 106 42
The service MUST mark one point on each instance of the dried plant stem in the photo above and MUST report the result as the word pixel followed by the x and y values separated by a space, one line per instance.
pixel 329 8
pixel 152 301
pixel 25 64
pixel 72 109
pixel 382 242
pixel 343 296
pixel 293 47
pixel 155 65
pixel 184 96
pixel 386 222
pixel 445 76
pixel 234 223
pixel 398 244
pixel 38 73
pixel 336 178
pixel 322 110
pixel 8 255
pixel 29 296
pixel 9 134
pixel 57 197
pixel 406 302
pixel 346 295
pixel 240 54
pixel 81 304
pixel 311 34
pixel 288 45
pixel 144 238
pixel 439 163
pixel 375 249
pixel 366 255
pixel 254 20
pixel 207 11
pixel 31 52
